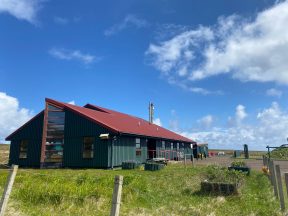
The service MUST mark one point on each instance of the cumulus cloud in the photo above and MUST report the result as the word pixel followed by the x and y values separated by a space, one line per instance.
pixel 69 55
pixel 129 21
pixel 206 121
pixel 245 49
pixel 240 115
pixel 270 128
pixel 157 121
pixel 274 92
pixel 21 9
pixel 12 115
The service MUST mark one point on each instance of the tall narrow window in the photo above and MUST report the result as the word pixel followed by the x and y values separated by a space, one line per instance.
pixel 54 135
pixel 88 147
pixel 171 146
pixel 138 147
pixel 177 146
pixel 23 149
pixel 163 144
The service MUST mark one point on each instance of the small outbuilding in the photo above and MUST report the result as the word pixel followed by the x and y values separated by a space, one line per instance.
pixel 65 135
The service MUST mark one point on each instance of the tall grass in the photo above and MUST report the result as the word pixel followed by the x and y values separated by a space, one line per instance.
pixel 172 191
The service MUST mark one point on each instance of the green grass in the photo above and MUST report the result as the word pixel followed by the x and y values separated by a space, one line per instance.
pixel 172 191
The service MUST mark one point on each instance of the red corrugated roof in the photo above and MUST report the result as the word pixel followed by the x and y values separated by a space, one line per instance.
pixel 120 122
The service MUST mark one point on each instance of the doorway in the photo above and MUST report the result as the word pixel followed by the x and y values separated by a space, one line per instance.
pixel 151 148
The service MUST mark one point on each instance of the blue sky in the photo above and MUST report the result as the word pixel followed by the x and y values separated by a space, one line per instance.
pixel 215 70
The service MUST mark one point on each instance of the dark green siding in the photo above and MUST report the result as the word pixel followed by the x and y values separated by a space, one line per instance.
pixel 124 149
pixel 33 133
pixel 76 127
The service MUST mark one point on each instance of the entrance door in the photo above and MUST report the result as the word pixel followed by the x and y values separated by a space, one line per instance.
pixel 151 148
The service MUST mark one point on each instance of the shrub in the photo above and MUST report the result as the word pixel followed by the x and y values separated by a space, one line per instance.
pixel 280 153
pixel 216 173
pixel 238 164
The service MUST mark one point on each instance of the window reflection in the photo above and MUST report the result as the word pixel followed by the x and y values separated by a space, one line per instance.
pixel 55 134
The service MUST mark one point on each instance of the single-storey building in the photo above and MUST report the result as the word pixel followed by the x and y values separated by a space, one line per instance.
pixel 66 135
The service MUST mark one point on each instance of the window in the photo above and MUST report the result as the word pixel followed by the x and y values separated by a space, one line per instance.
pixel 138 147
pixel 177 146
pixel 54 134
pixel 23 149
pixel 163 144
pixel 88 147
pixel 171 146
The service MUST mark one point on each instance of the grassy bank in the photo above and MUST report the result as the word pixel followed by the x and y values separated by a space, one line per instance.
pixel 172 191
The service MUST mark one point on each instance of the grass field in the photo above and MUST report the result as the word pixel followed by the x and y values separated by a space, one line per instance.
pixel 172 191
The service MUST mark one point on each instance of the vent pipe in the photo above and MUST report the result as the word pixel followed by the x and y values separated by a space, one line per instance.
pixel 151 112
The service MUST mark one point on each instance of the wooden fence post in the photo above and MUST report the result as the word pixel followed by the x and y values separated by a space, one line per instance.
pixel 286 181
pixel 185 160
pixel 192 160
pixel 280 187
pixel 116 199
pixel 8 189
pixel 273 178
pixel 264 160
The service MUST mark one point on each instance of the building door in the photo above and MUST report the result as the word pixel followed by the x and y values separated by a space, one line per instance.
pixel 151 148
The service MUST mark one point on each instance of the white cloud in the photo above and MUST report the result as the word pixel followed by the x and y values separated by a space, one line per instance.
pixel 21 9
pixel 157 121
pixel 71 102
pixel 61 20
pixel 12 115
pixel 247 50
pixel 206 121
pixel 69 55
pixel 194 89
pixel 274 92
pixel 240 115
pixel 270 128
pixel 129 21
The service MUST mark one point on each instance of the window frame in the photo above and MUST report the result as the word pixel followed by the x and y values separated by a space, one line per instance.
pixel 21 151
pixel 138 149
pixel 85 151
pixel 163 144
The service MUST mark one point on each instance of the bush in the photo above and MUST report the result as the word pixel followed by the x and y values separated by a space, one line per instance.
pixel 238 164
pixel 280 153
pixel 221 174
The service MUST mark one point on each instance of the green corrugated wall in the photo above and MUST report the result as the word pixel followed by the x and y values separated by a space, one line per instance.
pixel 124 149
pixel 33 133
pixel 76 127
